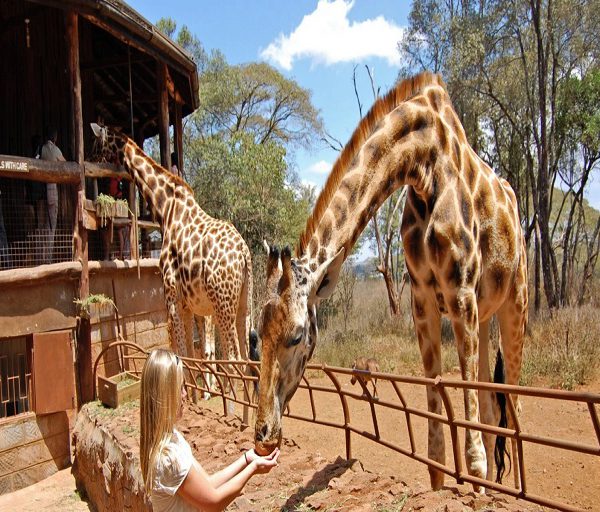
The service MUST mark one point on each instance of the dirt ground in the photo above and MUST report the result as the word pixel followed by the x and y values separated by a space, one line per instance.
pixel 313 475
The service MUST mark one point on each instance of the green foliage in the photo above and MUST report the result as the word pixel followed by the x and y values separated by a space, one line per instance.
pixel 579 110
pixel 184 38
pixel 83 305
pixel 238 144
pixel 257 99
pixel 523 78
pixel 246 182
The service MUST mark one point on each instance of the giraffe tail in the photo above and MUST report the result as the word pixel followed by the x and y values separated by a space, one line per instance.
pixel 500 449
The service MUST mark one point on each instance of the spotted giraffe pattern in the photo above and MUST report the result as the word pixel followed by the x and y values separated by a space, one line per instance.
pixel 205 264
pixel 464 250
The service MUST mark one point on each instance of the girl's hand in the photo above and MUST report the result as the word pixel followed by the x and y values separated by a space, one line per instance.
pixel 251 455
pixel 267 463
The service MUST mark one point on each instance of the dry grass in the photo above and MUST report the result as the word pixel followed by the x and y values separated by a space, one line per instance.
pixel 560 351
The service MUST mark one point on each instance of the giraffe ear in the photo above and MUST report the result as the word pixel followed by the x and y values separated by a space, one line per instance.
pixel 327 277
pixel 274 269
pixel 99 131
pixel 287 276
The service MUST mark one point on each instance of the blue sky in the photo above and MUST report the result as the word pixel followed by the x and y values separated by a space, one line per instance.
pixel 315 42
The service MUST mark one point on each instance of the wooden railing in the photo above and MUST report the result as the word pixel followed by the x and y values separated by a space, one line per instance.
pixel 234 382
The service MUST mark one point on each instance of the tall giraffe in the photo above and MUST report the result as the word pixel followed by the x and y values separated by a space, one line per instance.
pixel 205 264
pixel 464 251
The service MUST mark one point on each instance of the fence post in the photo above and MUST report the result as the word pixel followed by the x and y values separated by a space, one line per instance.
pixel 344 409
pixel 441 389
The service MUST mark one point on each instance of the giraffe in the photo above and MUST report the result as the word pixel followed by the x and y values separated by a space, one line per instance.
pixel 205 264
pixel 464 250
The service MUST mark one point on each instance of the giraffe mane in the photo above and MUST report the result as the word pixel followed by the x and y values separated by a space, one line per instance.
pixel 401 92
pixel 173 177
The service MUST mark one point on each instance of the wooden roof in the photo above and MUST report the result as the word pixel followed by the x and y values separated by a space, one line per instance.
pixel 120 54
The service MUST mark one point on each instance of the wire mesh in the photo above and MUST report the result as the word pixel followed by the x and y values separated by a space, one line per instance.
pixel 34 231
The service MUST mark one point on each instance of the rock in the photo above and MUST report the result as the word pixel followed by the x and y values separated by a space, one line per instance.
pixel 230 449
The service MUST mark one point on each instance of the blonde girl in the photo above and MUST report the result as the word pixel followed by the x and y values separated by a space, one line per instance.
pixel 174 478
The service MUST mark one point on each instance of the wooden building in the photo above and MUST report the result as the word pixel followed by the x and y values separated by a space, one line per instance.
pixel 65 64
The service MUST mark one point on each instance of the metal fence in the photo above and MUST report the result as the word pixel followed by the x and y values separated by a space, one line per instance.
pixel 234 381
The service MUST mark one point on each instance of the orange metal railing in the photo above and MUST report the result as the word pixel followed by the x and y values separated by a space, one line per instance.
pixel 230 376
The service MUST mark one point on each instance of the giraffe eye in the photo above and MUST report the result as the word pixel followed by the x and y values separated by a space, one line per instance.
pixel 293 342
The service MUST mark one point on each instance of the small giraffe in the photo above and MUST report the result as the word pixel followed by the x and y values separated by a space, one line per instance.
pixel 464 250
pixel 205 264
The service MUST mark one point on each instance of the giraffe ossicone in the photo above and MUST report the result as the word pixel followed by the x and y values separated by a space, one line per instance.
pixel 464 250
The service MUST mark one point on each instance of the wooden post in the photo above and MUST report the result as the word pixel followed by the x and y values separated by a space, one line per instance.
pixel 133 241
pixel 134 205
pixel 178 132
pixel 163 115
pixel 80 236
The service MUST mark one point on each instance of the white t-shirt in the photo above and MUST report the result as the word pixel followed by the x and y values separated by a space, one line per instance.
pixel 52 153
pixel 171 470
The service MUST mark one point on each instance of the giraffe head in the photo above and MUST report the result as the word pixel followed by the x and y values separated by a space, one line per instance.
pixel 109 145
pixel 288 333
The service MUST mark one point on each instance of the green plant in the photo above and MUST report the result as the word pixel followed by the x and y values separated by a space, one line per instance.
pixel 83 305
pixel 104 207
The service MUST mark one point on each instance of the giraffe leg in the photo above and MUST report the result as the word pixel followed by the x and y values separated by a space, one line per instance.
pixel 175 321
pixel 229 346
pixel 512 318
pixel 427 322
pixel 486 402
pixel 465 325
pixel 242 330
pixel 188 318
pixel 206 350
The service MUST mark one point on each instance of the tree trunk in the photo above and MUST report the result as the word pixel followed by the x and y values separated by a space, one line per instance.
pixel 536 268
pixel 390 285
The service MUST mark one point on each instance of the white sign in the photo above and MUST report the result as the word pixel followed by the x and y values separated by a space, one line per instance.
pixel 8 165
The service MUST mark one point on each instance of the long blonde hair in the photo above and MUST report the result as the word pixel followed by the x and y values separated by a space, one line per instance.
pixel 162 379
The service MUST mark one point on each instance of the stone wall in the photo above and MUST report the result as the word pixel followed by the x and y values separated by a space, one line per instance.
pixel 105 468
pixel 33 448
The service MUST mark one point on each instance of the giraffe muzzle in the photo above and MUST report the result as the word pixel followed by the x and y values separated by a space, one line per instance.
pixel 266 440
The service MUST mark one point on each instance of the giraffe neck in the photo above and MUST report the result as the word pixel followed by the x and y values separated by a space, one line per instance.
pixel 404 148
pixel 159 188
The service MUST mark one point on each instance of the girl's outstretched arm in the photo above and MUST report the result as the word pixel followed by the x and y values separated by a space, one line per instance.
pixel 198 488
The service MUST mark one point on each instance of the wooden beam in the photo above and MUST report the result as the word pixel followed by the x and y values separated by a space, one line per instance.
pixel 112 63
pixel 163 115
pixel 80 235
pixel 95 170
pixel 133 233
pixel 67 270
pixel 178 136
pixel 117 98
pixel 39 170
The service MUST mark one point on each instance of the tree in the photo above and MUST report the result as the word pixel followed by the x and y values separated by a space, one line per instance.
pixel 238 179
pixel 505 64
pixel 255 98
pixel 579 118
pixel 238 145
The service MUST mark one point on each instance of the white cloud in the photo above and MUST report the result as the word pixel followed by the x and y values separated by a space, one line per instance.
pixel 320 167
pixel 326 35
